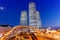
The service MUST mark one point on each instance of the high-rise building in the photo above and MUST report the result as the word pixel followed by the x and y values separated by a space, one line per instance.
pixel 38 19
pixel 23 19
pixel 32 15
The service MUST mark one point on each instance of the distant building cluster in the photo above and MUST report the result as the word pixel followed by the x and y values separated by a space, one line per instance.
pixel 5 27
pixel 33 17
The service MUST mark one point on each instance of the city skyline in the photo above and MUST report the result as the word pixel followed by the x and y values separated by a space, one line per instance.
pixel 33 19
pixel 10 11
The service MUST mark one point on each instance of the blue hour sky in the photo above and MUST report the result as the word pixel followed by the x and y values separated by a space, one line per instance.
pixel 49 11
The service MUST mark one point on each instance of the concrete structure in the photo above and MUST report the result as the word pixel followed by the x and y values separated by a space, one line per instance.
pixel 32 15
pixel 23 19
pixel 38 19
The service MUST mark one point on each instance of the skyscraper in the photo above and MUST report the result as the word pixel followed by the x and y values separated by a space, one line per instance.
pixel 23 19
pixel 38 19
pixel 32 15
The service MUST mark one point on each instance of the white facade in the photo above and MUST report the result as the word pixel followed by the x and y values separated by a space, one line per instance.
pixel 38 19
pixel 23 19
pixel 32 15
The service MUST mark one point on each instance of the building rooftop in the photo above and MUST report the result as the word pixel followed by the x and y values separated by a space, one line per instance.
pixel 6 25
